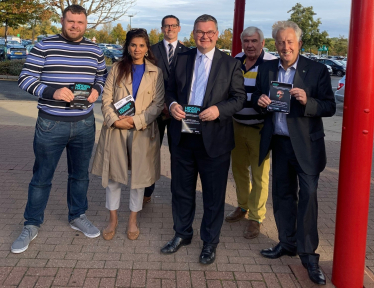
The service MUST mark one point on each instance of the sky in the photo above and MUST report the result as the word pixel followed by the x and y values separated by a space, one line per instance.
pixel 334 14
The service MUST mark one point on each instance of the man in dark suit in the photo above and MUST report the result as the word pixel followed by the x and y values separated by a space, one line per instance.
pixel 211 79
pixel 297 141
pixel 166 53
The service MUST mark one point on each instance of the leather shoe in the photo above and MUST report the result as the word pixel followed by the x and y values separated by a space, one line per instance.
pixel 236 215
pixel 208 254
pixel 252 230
pixel 174 244
pixel 276 252
pixel 315 273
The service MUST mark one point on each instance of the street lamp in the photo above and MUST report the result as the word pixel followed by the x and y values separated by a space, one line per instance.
pixel 130 19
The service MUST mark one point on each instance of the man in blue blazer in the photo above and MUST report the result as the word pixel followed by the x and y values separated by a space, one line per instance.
pixel 208 78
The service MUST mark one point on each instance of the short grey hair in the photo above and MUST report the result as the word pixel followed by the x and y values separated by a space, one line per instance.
pixel 205 18
pixel 283 25
pixel 250 31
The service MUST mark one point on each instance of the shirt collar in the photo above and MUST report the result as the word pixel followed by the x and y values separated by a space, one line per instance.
pixel 292 66
pixel 166 43
pixel 210 54
pixel 259 60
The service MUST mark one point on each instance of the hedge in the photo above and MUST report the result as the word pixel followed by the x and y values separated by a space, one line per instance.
pixel 11 67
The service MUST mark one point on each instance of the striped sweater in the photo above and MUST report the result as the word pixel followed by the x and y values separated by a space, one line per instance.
pixel 54 63
pixel 248 115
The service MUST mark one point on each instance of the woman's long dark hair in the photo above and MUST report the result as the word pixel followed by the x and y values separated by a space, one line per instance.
pixel 125 65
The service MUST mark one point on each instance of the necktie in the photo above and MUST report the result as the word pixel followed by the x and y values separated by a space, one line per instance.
pixel 201 81
pixel 171 55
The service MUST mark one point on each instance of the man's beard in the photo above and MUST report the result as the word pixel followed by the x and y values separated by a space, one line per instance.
pixel 65 34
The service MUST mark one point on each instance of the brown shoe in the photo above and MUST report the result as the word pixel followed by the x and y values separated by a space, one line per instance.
pixel 252 230
pixel 133 235
pixel 236 215
pixel 108 235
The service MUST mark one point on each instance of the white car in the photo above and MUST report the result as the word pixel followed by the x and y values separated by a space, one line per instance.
pixel 329 68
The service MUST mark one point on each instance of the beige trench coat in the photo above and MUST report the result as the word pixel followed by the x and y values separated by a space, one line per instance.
pixel 111 160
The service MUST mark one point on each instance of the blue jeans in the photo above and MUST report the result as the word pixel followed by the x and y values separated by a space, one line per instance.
pixel 50 140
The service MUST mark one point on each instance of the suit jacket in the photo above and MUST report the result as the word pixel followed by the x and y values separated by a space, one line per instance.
pixel 225 89
pixel 159 51
pixel 304 122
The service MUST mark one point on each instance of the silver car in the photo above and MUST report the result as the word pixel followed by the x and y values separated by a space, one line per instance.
pixel 339 94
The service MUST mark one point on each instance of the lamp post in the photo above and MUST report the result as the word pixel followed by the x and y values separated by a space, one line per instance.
pixel 130 19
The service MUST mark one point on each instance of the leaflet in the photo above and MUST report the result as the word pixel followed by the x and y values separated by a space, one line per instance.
pixel 81 92
pixel 192 123
pixel 280 97
pixel 125 106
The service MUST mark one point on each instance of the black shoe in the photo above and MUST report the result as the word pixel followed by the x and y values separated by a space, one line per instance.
pixel 276 252
pixel 208 254
pixel 315 273
pixel 174 244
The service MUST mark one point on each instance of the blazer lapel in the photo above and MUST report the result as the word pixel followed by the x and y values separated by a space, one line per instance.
pixel 301 71
pixel 212 76
pixel 128 84
pixel 161 47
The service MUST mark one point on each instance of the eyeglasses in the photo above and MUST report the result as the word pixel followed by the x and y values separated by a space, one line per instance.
pixel 210 34
pixel 173 26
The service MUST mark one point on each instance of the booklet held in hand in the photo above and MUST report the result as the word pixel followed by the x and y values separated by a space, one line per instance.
pixel 280 97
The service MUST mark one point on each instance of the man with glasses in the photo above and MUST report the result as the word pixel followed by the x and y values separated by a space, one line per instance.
pixel 213 81
pixel 166 53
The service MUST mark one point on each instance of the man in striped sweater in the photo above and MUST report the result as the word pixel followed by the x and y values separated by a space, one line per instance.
pixel 252 197
pixel 52 65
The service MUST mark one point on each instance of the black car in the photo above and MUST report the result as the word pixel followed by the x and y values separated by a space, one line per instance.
pixel 113 54
pixel 2 52
pixel 338 68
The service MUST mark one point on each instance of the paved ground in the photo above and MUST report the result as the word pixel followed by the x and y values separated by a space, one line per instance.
pixel 61 257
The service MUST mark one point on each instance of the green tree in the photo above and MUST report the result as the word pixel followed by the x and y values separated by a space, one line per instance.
pixel 99 11
pixel 118 34
pixel 270 44
pixel 17 12
pixel 225 39
pixel 339 46
pixel 304 17
pixel 154 36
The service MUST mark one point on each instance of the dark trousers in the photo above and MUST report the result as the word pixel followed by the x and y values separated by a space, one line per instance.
pixel 189 159
pixel 161 128
pixel 295 212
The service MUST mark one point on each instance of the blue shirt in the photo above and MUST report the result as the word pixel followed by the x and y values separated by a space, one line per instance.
pixel 137 75
pixel 280 119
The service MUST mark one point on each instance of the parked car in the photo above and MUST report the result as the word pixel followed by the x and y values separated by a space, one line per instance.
pixel 26 42
pixel 16 52
pixel 337 68
pixel 339 93
pixel 29 47
pixel 2 52
pixel 105 46
pixel 116 46
pixel 113 54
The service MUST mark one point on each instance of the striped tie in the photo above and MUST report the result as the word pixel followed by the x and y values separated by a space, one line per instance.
pixel 171 55
pixel 201 81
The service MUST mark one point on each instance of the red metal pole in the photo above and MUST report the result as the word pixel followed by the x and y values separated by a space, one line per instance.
pixel 238 27
pixel 356 151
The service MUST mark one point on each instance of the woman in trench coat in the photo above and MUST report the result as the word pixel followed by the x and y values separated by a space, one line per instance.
pixel 130 142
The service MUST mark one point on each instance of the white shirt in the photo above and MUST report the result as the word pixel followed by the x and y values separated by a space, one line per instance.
pixel 166 45
pixel 208 66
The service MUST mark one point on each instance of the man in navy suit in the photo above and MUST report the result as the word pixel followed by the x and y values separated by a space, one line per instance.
pixel 297 142
pixel 166 53
pixel 208 78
